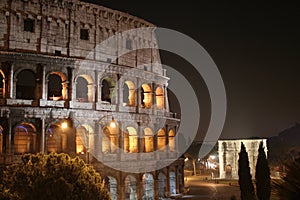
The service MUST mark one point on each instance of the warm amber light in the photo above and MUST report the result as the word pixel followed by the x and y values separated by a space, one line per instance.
pixel 113 123
pixel 64 125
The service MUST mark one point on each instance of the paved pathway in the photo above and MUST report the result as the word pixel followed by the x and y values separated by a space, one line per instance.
pixel 209 190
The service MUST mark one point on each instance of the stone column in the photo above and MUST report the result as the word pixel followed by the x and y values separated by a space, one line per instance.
pixel 9 144
pixel 177 180
pixel 221 161
pixel 168 182
pixel 44 83
pixel 11 81
pixel 156 186
pixel 42 141
pixel 140 190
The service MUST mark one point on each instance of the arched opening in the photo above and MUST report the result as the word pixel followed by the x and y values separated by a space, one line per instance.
pixel 25 85
pixel 172 183
pixel 108 90
pixel 111 185
pixel 24 139
pixel 171 140
pixel 56 138
pixel 57 88
pixel 148 186
pixel 161 140
pixel 159 96
pixel 130 140
pixel 84 139
pixel 129 93
pixel 148 140
pixel 146 96
pixel 162 185
pixel 110 139
pixel 228 172
pixel 130 188
pixel 1 140
pixel 81 90
pixel 2 84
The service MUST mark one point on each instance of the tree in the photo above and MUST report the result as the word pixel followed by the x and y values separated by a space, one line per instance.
pixel 53 177
pixel 262 175
pixel 289 188
pixel 245 179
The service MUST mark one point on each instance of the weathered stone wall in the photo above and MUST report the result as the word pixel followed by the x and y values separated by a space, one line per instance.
pixel 57 26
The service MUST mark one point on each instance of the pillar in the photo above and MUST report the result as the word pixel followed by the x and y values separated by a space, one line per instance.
pixel 42 142
pixel 44 83
pixel 11 81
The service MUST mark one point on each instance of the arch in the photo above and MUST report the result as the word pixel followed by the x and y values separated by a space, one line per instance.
pixel 161 140
pixel 148 186
pixel 162 184
pixel 57 87
pixel 171 140
pixel 56 138
pixel 130 188
pixel 84 139
pixel 108 93
pixel 25 85
pixel 146 96
pixel 148 140
pixel 111 185
pixel 130 140
pixel 2 84
pixel 172 183
pixel 24 138
pixel 129 93
pixel 160 99
pixel 84 88
pixel 110 139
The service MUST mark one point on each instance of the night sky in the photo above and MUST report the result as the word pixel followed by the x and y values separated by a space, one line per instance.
pixel 256 48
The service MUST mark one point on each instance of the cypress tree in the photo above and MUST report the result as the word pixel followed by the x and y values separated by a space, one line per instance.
pixel 262 175
pixel 245 178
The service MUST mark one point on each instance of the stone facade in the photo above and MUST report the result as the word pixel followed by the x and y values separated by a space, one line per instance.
pixel 51 102
pixel 229 155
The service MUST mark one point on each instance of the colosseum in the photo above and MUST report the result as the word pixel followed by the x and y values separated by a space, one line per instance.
pixel 59 93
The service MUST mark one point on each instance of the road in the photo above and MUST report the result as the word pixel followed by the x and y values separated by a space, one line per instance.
pixel 201 189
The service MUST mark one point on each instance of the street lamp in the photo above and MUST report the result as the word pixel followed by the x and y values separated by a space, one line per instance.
pixel 64 125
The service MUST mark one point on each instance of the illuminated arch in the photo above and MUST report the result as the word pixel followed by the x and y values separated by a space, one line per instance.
pixel 148 140
pixel 171 140
pixel 130 140
pixel 148 186
pixel 56 137
pixel 111 185
pixel 57 86
pixel 159 96
pixel 146 96
pixel 172 176
pixel 130 188
pixel 24 138
pixel 110 139
pixel 84 139
pixel 161 140
pixel 129 93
